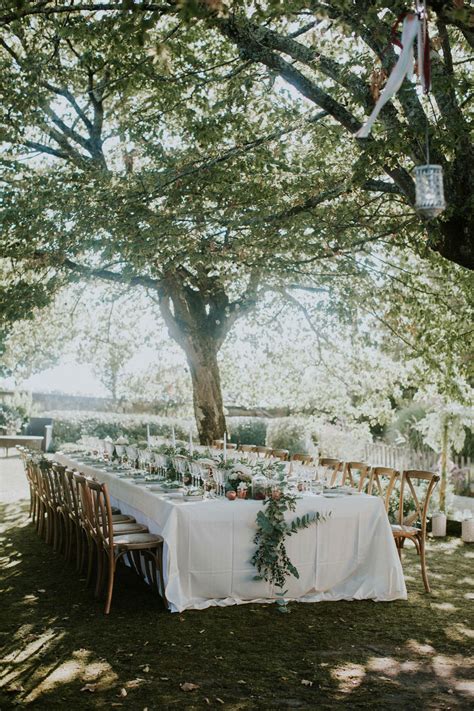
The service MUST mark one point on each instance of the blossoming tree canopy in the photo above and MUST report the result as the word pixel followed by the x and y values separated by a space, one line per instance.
pixel 173 156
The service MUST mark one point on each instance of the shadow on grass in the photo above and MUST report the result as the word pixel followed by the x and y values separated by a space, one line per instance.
pixel 60 651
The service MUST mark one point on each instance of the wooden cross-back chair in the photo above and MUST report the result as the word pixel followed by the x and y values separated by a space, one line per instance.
pixel 350 470
pixel 332 466
pixel 247 448
pixel 303 458
pixel 143 546
pixel 218 443
pixel 31 476
pixel 91 534
pixel 413 525
pixel 265 452
pixel 50 495
pixel 78 503
pixel 382 480
pixel 64 505
pixel 281 454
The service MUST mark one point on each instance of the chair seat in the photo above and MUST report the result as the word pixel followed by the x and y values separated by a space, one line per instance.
pixel 123 518
pixel 138 540
pixel 120 528
pixel 398 530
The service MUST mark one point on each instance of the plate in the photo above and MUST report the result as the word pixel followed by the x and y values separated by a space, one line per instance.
pixel 333 496
pixel 193 498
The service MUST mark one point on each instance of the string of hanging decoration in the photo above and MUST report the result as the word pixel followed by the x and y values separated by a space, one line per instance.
pixel 430 200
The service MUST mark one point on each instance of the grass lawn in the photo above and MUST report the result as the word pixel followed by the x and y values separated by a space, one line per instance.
pixel 60 651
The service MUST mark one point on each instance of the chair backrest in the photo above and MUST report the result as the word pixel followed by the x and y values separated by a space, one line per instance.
pixel 246 448
pixel 264 452
pixel 83 500
pixel 218 443
pixel 63 499
pixel 350 468
pixel 49 485
pixel 331 465
pixel 231 445
pixel 281 454
pixel 303 458
pixel 384 479
pixel 74 508
pixel 411 480
pixel 101 513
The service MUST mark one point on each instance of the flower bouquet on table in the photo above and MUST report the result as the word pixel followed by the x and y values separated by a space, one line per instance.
pixel 239 479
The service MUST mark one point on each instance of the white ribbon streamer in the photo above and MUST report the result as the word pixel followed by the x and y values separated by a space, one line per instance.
pixel 403 68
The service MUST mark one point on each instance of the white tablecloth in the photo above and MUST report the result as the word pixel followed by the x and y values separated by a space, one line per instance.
pixel 209 545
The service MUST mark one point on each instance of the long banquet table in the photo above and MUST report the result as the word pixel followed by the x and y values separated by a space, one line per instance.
pixel 209 546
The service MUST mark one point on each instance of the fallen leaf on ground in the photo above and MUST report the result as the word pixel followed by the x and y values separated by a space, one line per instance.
pixel 146 668
pixel 89 687
pixel 123 692
pixel 306 682
pixel 241 681
pixel 135 682
pixel 219 700
pixel 188 686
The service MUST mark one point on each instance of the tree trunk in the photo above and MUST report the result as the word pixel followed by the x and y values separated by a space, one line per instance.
pixel 455 240
pixel 201 354
pixel 199 320
pixel 444 466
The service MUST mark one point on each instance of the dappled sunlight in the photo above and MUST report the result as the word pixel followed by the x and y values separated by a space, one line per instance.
pixel 466 581
pixel 348 676
pixel 457 632
pixel 419 648
pixel 19 656
pixel 445 606
pixel 384 665
pixel 78 668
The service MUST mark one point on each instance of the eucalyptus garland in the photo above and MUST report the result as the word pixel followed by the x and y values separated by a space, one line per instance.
pixel 271 558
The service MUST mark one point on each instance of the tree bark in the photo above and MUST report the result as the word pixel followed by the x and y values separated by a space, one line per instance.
pixel 199 315
pixel 201 354
pixel 444 465
pixel 455 240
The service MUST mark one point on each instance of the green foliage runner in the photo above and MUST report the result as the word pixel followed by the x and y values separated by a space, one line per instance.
pixel 271 558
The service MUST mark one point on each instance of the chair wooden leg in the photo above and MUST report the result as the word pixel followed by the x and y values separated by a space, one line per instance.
pixel 159 565
pixel 30 513
pixel 424 572
pixel 90 560
pixel 58 533
pixel 110 584
pixel 49 526
pixel 69 539
pixel 80 549
pixel 100 573
pixel 39 519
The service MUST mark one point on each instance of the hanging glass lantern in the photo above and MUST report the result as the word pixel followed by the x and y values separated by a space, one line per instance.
pixel 430 200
